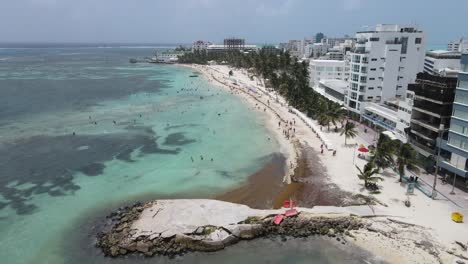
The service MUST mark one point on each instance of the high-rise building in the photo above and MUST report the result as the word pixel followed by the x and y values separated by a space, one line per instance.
pixel 455 149
pixel 318 37
pixel 234 43
pixel 459 45
pixel 432 106
pixel 442 62
pixel 383 62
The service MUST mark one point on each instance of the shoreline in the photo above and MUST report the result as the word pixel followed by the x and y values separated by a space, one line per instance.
pixel 176 227
pixel 305 178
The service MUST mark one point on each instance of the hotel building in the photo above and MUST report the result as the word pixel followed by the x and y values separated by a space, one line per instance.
pixel 382 63
pixel 455 149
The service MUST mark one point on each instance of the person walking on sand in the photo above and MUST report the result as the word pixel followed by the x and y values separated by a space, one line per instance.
pixel 321 151
pixel 334 152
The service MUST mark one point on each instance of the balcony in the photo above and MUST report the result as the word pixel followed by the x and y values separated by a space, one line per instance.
pixel 431 108
pixel 450 167
pixel 426 124
pixel 379 122
pixel 421 148
pixel 421 134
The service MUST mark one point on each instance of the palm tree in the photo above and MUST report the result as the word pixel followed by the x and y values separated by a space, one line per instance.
pixel 336 112
pixel 349 131
pixel 367 174
pixel 383 153
pixel 406 157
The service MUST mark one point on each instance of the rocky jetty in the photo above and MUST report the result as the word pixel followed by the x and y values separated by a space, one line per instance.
pixel 172 227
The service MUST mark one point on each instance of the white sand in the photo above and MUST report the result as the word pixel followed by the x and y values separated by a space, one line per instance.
pixel 341 170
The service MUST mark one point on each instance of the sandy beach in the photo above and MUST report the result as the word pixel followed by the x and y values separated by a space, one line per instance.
pixel 323 179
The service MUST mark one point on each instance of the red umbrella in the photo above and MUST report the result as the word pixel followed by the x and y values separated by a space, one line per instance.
pixel 363 149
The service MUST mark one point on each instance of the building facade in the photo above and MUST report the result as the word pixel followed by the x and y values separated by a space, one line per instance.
pixel 333 90
pixel 459 45
pixel 441 62
pixel 455 149
pixel 382 63
pixel 327 69
pixel 432 107
pixel 200 45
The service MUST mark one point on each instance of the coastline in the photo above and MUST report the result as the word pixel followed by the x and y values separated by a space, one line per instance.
pixel 304 179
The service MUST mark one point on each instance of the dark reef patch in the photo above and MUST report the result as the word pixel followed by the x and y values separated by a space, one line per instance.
pixel 93 169
pixel 178 139
pixel 47 164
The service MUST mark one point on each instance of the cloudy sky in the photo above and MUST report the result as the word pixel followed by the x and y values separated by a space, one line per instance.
pixel 183 21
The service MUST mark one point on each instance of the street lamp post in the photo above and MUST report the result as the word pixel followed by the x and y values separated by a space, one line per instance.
pixel 453 186
pixel 434 191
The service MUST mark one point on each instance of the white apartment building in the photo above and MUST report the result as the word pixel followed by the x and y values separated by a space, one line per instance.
pixel 200 45
pixel 315 50
pixel 439 62
pixel 382 63
pixel 459 45
pixel 296 48
pixel 327 69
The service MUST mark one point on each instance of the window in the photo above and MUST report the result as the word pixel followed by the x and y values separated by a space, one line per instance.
pixel 364 69
pixel 418 41
pixel 370 88
pixel 463 84
pixel 461 98
pixel 459 129
pixel 355 77
pixel 355 68
pixel 373 69
pixel 362 88
pixel 374 59
pixel 371 79
pixel 404 45
pixel 460 114
pixel 458 143
pixel 363 79
pixel 374 39
pixel 356 58
pixel 370 97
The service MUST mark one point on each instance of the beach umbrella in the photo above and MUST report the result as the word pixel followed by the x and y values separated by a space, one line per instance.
pixel 363 149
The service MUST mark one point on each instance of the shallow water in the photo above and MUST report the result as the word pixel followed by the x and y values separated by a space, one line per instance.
pixel 83 131
pixel 50 177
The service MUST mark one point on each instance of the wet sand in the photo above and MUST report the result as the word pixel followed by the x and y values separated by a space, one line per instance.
pixel 262 188
pixel 309 188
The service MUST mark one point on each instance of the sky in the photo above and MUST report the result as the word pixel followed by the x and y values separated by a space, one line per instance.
pixel 184 21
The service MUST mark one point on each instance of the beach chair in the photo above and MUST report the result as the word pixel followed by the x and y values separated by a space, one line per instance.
pixel 278 219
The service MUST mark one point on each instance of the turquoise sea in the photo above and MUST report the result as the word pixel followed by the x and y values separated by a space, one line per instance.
pixel 83 131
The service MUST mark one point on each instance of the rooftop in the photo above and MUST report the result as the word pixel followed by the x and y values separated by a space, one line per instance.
pixel 382 110
pixel 336 85
pixel 443 54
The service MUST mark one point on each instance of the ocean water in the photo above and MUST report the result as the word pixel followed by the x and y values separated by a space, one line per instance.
pixel 82 131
